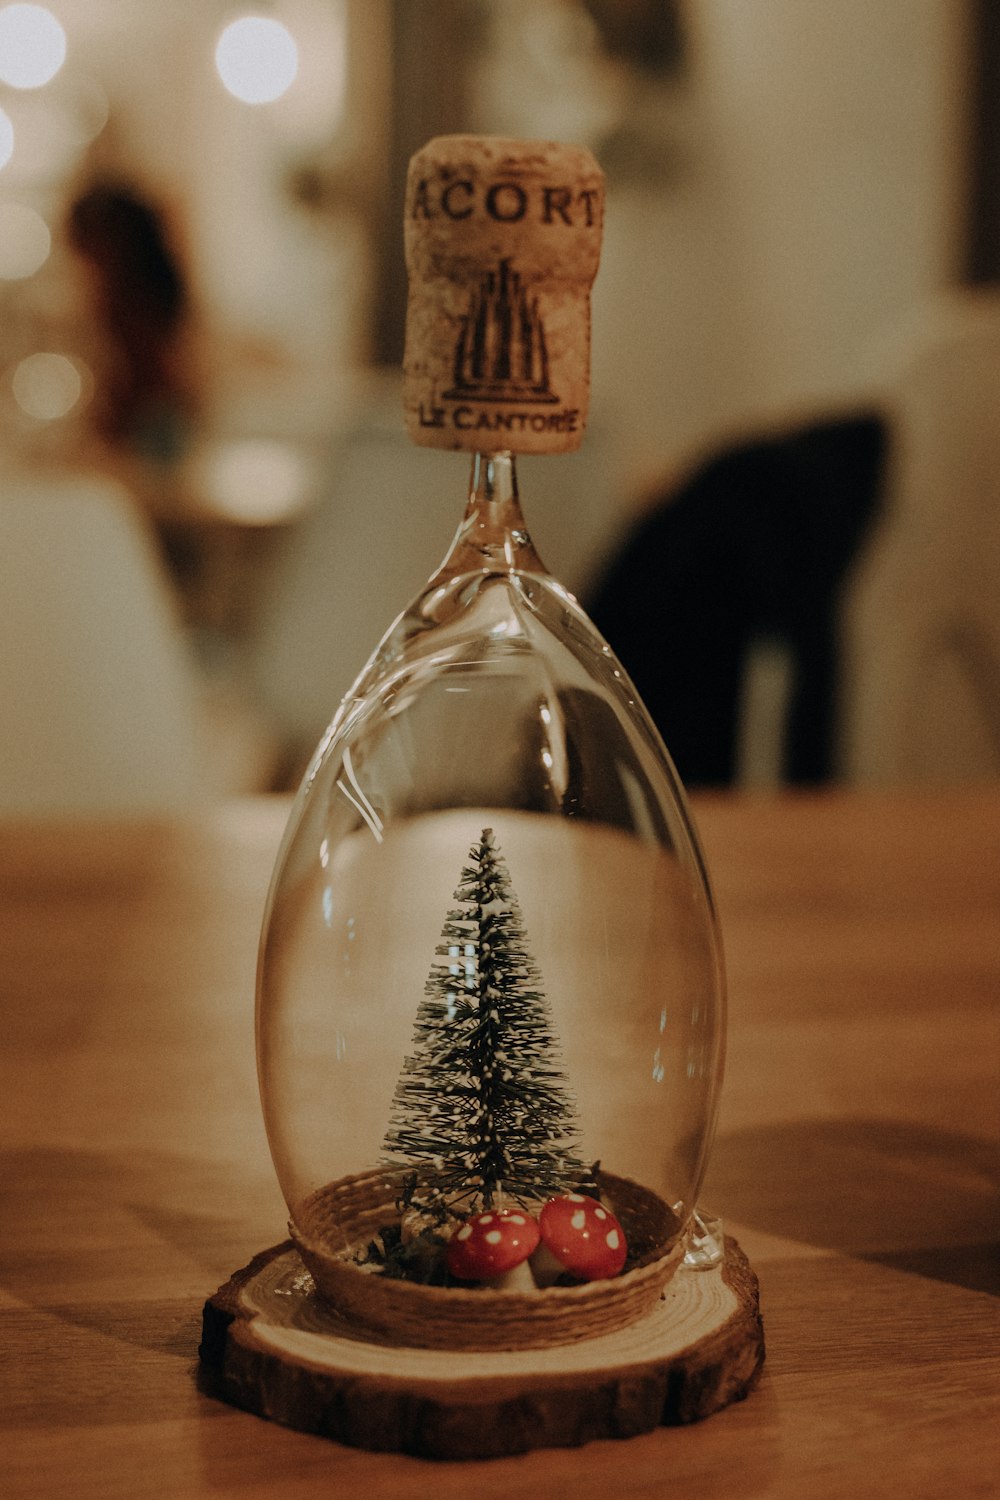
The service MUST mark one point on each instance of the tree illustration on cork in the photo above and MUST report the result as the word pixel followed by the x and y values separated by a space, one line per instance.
pixel 482 1111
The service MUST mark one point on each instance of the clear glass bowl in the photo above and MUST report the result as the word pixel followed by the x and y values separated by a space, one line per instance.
pixel 490 838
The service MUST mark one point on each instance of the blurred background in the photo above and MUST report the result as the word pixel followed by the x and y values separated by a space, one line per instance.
pixel 784 516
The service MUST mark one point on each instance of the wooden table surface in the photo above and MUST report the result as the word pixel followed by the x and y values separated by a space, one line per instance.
pixel 855 1162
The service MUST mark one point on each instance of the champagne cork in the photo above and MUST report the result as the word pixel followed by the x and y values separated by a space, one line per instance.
pixel 503 241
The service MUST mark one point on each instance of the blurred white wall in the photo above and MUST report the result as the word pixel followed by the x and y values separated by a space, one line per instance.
pixel 816 201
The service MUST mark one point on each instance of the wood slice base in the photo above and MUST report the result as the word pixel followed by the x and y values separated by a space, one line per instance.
pixel 270 1346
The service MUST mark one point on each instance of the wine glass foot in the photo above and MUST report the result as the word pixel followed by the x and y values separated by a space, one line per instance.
pixel 705 1244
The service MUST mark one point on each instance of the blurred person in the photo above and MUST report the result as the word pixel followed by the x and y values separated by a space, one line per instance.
pixel 145 400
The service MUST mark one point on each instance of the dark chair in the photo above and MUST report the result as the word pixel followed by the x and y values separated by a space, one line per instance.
pixel 754 546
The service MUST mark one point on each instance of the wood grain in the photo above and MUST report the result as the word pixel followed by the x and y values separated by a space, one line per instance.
pixel 855 1164
pixel 269 1345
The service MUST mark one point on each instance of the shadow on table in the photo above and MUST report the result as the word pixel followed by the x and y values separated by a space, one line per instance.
pixel 905 1196
pixel 94 1240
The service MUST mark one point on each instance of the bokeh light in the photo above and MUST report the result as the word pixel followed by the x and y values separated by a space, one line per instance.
pixel 257 59
pixel 6 138
pixel 47 386
pixel 32 46
pixel 256 481
pixel 25 241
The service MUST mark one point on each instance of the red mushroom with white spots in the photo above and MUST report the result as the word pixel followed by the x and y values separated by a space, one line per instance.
pixel 584 1237
pixel 491 1245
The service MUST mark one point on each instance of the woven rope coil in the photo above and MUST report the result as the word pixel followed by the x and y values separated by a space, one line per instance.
pixel 332 1225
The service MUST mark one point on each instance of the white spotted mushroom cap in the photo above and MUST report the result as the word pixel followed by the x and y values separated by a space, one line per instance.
pixel 584 1236
pixel 491 1243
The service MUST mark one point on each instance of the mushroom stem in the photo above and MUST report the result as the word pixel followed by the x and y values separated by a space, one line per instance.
pixel 545 1269
pixel 518 1279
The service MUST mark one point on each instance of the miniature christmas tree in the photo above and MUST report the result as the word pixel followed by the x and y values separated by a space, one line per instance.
pixel 481 1110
